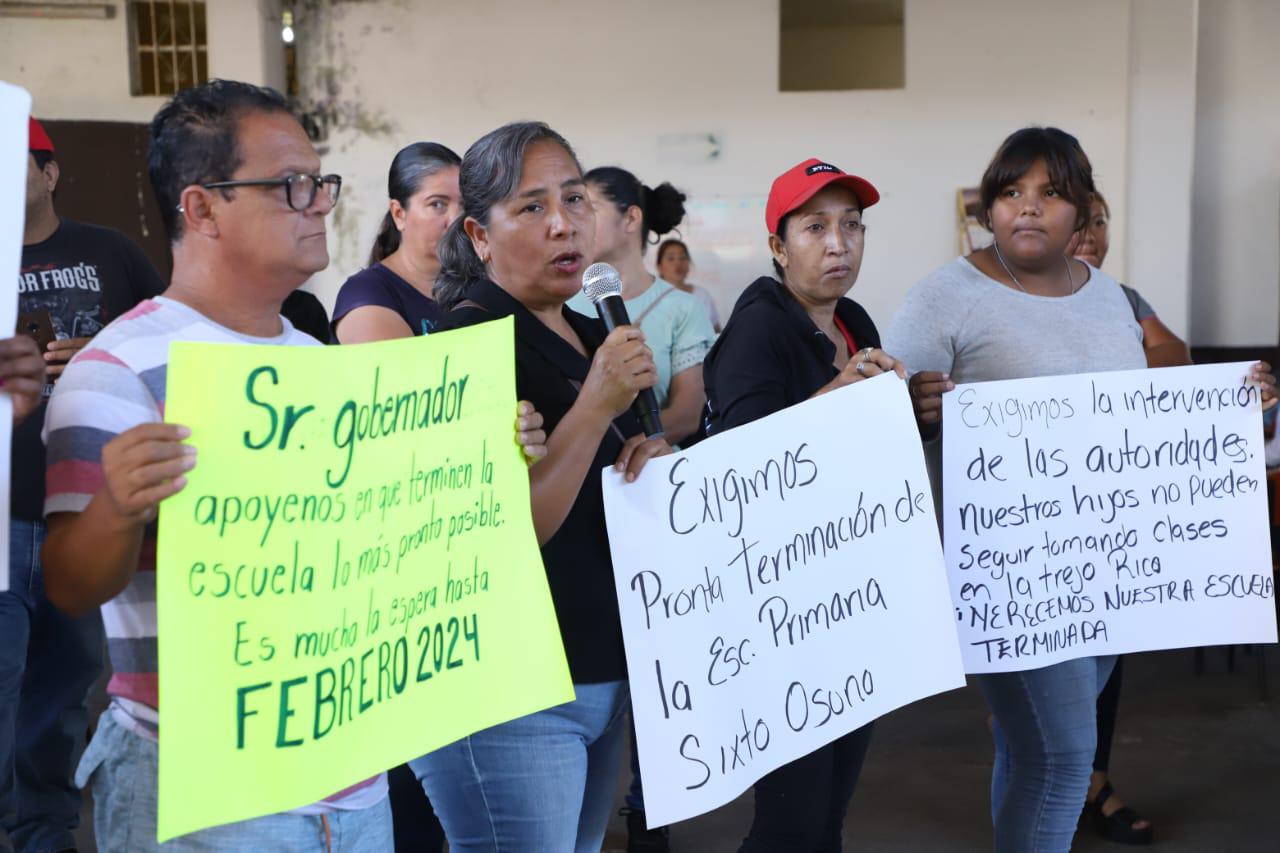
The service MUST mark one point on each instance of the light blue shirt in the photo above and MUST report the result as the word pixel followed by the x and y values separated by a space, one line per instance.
pixel 675 325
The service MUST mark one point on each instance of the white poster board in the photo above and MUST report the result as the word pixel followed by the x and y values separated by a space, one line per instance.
pixel 780 585
pixel 1106 513
pixel 15 110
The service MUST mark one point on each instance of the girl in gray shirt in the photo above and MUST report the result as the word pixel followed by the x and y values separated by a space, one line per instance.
pixel 1021 308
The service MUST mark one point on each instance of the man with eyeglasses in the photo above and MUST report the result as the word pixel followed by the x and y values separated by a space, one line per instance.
pixel 73 278
pixel 244 204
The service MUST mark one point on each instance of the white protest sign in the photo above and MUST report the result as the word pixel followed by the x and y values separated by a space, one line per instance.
pixel 780 585
pixel 1106 513
pixel 15 110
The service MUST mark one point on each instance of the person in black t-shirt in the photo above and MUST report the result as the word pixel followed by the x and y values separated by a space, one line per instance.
pixel 73 280
pixel 546 781
pixel 307 314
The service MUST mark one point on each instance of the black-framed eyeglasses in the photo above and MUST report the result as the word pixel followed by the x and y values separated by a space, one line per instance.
pixel 299 190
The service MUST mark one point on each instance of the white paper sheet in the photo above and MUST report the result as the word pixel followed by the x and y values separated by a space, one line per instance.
pixel 15 110
pixel 1106 513
pixel 780 585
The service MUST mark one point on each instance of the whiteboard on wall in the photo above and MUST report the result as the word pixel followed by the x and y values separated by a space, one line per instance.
pixel 729 246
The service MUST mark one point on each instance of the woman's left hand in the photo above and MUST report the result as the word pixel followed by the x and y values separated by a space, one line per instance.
pixel 529 432
pixel 637 451
pixel 1261 376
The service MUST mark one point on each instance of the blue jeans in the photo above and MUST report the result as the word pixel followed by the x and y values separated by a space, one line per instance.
pixel 1045 735
pixel 121 768
pixel 48 663
pixel 543 782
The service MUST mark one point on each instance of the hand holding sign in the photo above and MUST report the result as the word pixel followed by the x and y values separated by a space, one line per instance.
pixel 1261 376
pixel 529 432
pixel 926 389
pixel 145 465
pixel 638 450
pixel 21 374
pixel 864 364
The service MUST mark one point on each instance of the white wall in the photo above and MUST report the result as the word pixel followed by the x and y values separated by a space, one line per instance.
pixel 614 77
pixel 79 69
pixel 1236 211
pixel 621 80
pixel 1162 122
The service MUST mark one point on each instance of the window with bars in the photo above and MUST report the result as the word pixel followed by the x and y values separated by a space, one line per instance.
pixel 167 46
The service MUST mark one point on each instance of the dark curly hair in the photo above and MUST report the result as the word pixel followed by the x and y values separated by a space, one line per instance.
pixel 194 140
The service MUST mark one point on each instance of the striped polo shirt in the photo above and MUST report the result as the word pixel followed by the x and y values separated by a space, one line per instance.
pixel 111 386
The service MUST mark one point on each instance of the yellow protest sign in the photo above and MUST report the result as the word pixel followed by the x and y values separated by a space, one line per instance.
pixel 351 578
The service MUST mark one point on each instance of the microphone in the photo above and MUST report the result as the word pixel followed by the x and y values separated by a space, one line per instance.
pixel 603 286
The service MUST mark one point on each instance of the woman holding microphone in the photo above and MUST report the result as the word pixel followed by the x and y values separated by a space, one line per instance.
pixel 546 781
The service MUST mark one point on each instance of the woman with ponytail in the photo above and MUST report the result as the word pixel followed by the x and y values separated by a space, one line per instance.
pixel 675 325
pixel 392 297
pixel 546 781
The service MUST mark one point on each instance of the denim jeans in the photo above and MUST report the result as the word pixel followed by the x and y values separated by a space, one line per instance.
pixel 543 782
pixel 48 663
pixel 1045 735
pixel 122 767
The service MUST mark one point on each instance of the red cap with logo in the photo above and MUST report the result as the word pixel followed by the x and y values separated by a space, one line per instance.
pixel 800 183
pixel 38 139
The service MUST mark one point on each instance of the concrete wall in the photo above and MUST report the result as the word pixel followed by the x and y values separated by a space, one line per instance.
pixel 79 69
pixel 1235 231
pixel 618 84
pixel 1162 123
pixel 1173 99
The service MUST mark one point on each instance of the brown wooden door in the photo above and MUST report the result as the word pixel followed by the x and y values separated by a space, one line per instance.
pixel 104 182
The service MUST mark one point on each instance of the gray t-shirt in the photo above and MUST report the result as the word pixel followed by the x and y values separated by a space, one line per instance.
pixel 961 321
pixel 1141 308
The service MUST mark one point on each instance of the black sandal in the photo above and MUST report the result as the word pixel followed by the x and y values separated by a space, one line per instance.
pixel 1117 826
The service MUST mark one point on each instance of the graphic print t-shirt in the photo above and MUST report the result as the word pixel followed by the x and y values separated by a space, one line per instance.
pixel 84 276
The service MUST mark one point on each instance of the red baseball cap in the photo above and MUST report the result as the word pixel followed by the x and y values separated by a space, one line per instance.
pixel 38 139
pixel 800 183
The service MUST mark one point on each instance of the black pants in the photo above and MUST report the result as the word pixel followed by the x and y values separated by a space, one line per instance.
pixel 1108 705
pixel 800 807
pixel 414 824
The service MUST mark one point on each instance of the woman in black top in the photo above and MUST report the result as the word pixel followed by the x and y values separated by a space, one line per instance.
pixel 787 340
pixel 546 781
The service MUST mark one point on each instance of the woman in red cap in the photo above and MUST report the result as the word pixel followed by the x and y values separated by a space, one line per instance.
pixel 788 339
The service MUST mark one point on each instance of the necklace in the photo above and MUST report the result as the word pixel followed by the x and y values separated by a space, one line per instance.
pixel 1071 279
